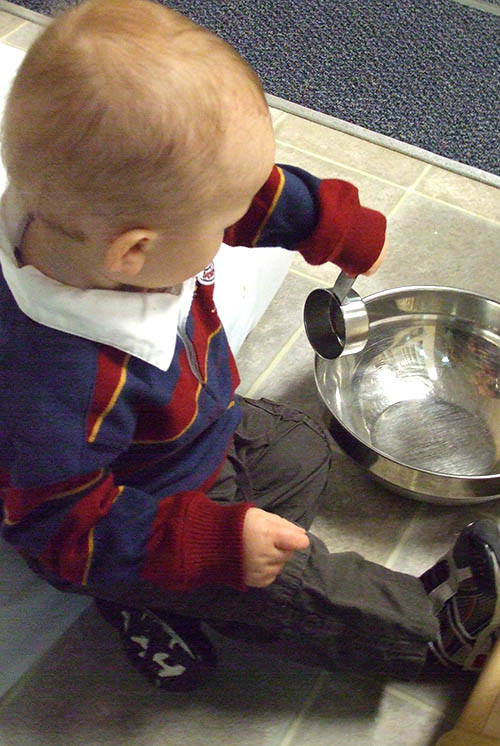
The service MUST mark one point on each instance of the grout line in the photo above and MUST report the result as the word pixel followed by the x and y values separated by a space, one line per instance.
pixel 415 701
pixel 409 528
pixel 339 163
pixel 398 204
pixel 408 191
pixel 274 362
pixel 459 208
pixel 5 39
pixel 7 699
pixel 2 38
pixel 421 177
pixel 318 280
pixel 279 118
pixel 291 732
pixel 412 191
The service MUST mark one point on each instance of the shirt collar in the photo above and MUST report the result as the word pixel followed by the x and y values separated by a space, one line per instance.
pixel 141 324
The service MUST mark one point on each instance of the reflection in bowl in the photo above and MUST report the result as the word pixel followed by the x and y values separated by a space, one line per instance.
pixel 419 407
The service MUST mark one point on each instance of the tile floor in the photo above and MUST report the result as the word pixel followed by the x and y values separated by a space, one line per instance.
pixel 443 229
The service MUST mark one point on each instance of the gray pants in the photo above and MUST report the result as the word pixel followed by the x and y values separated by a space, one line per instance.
pixel 327 610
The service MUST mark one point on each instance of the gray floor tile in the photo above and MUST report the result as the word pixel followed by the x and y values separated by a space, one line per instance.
pixel 446 693
pixel 349 150
pixel 84 693
pixel 324 274
pixel 359 515
pixel 373 192
pixel 24 37
pixel 433 244
pixel 434 530
pixel 470 195
pixel 276 327
pixel 275 114
pixel 352 711
pixel 292 380
pixel 8 23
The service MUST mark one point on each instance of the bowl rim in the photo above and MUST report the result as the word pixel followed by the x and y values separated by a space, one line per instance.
pixel 473 478
pixel 441 288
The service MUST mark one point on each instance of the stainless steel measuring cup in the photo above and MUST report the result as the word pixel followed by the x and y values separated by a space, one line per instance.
pixel 336 320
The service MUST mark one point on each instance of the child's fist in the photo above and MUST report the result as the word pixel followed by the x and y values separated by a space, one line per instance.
pixel 378 261
pixel 268 543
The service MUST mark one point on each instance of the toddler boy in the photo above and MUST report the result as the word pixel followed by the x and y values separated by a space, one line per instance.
pixel 135 142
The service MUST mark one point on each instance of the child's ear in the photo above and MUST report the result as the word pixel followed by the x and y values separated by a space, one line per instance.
pixel 126 254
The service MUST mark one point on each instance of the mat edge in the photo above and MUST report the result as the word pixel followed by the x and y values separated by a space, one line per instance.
pixel 462 169
pixel 25 13
pixel 482 5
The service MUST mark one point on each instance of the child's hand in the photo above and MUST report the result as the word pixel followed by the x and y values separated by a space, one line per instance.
pixel 268 543
pixel 378 261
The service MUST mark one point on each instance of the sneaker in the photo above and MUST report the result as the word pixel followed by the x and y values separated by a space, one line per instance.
pixel 464 588
pixel 169 650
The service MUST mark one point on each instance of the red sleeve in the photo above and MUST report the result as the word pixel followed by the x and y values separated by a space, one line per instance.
pixel 196 542
pixel 92 532
pixel 346 233
pixel 323 219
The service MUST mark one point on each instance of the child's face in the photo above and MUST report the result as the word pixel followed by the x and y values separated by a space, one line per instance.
pixel 244 165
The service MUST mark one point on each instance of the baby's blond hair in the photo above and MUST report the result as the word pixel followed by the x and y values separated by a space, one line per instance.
pixel 116 113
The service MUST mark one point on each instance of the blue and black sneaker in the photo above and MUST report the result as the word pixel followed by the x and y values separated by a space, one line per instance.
pixel 464 587
pixel 171 651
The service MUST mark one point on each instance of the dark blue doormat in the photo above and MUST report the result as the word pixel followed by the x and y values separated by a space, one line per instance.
pixel 424 72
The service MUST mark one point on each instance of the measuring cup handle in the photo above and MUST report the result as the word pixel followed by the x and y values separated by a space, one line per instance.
pixel 342 286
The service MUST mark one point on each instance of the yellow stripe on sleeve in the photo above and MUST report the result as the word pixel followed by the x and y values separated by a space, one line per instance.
pixel 270 211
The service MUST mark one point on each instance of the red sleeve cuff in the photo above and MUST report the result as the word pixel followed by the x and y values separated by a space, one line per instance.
pixel 196 542
pixel 346 233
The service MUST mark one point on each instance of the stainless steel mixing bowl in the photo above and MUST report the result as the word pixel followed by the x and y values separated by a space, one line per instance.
pixel 419 407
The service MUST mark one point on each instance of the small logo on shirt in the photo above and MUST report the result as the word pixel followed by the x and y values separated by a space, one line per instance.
pixel 207 277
